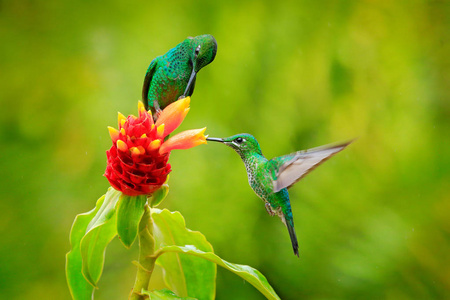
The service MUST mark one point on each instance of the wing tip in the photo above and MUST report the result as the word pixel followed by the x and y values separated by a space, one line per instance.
pixel 341 145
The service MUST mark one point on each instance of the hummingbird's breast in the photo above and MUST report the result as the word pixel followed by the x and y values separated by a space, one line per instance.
pixel 257 177
pixel 262 184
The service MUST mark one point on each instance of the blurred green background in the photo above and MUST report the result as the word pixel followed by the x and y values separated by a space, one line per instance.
pixel 373 222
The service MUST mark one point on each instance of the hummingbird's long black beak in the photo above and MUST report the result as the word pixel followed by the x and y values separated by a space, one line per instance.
pixel 211 139
pixel 191 80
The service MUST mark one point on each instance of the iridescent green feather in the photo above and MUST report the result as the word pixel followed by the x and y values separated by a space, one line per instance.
pixel 168 76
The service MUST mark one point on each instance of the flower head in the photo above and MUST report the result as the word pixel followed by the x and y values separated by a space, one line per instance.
pixel 138 159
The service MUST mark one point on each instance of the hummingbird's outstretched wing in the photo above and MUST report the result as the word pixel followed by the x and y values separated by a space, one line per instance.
pixel 293 167
pixel 147 80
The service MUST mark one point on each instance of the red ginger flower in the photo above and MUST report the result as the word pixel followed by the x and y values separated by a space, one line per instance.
pixel 137 160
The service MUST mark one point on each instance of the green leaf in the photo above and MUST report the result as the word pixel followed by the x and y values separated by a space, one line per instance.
pixel 164 294
pixel 186 275
pixel 253 276
pixel 78 286
pixel 100 231
pixel 159 195
pixel 129 212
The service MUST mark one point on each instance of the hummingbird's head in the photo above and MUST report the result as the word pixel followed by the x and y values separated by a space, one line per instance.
pixel 244 144
pixel 204 49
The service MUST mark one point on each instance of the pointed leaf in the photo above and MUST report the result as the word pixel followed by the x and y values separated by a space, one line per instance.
pixel 253 276
pixel 184 274
pixel 100 231
pixel 159 195
pixel 129 212
pixel 106 210
pixel 78 286
pixel 164 294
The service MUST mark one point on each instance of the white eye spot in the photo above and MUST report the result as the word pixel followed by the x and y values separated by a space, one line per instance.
pixel 238 141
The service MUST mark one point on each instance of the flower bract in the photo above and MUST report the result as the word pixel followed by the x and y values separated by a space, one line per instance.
pixel 137 162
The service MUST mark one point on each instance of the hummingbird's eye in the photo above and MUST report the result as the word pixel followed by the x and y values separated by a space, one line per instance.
pixel 239 140
pixel 197 50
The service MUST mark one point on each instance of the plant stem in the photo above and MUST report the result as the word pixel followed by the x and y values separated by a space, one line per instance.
pixel 146 258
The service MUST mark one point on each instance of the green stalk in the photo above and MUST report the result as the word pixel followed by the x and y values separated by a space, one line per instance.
pixel 147 260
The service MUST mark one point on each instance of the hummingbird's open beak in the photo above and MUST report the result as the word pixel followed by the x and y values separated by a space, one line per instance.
pixel 211 139
pixel 191 80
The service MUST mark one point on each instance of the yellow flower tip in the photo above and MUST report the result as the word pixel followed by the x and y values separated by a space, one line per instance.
pixel 187 100
pixel 160 130
pixel 202 131
pixel 121 119
pixel 121 145
pixel 141 108
pixel 135 151
pixel 143 136
pixel 114 133
pixel 154 145
pixel 200 136
pixel 122 131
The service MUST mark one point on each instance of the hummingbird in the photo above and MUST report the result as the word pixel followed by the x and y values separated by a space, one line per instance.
pixel 172 76
pixel 270 179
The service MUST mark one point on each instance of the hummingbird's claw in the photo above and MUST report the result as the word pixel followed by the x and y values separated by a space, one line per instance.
pixel 269 209
pixel 156 115
pixel 158 110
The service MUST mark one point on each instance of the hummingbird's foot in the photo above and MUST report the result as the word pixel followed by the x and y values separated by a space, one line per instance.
pixel 269 209
pixel 157 114
pixel 158 110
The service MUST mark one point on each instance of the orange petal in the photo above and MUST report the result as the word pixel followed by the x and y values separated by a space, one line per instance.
pixel 184 140
pixel 173 115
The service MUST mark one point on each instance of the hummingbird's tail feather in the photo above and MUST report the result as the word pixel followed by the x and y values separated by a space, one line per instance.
pixel 290 226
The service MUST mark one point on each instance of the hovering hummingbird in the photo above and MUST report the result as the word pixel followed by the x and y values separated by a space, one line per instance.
pixel 172 75
pixel 270 179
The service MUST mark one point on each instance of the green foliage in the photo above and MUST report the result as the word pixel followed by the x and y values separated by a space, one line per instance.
pixel 164 294
pixel 193 274
pixel 184 274
pixel 129 213
pixel 79 287
pixel 99 233
pixel 159 195
pixel 253 276
pixel 91 233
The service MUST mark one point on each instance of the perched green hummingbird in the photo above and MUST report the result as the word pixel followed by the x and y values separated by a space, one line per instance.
pixel 270 179
pixel 172 75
